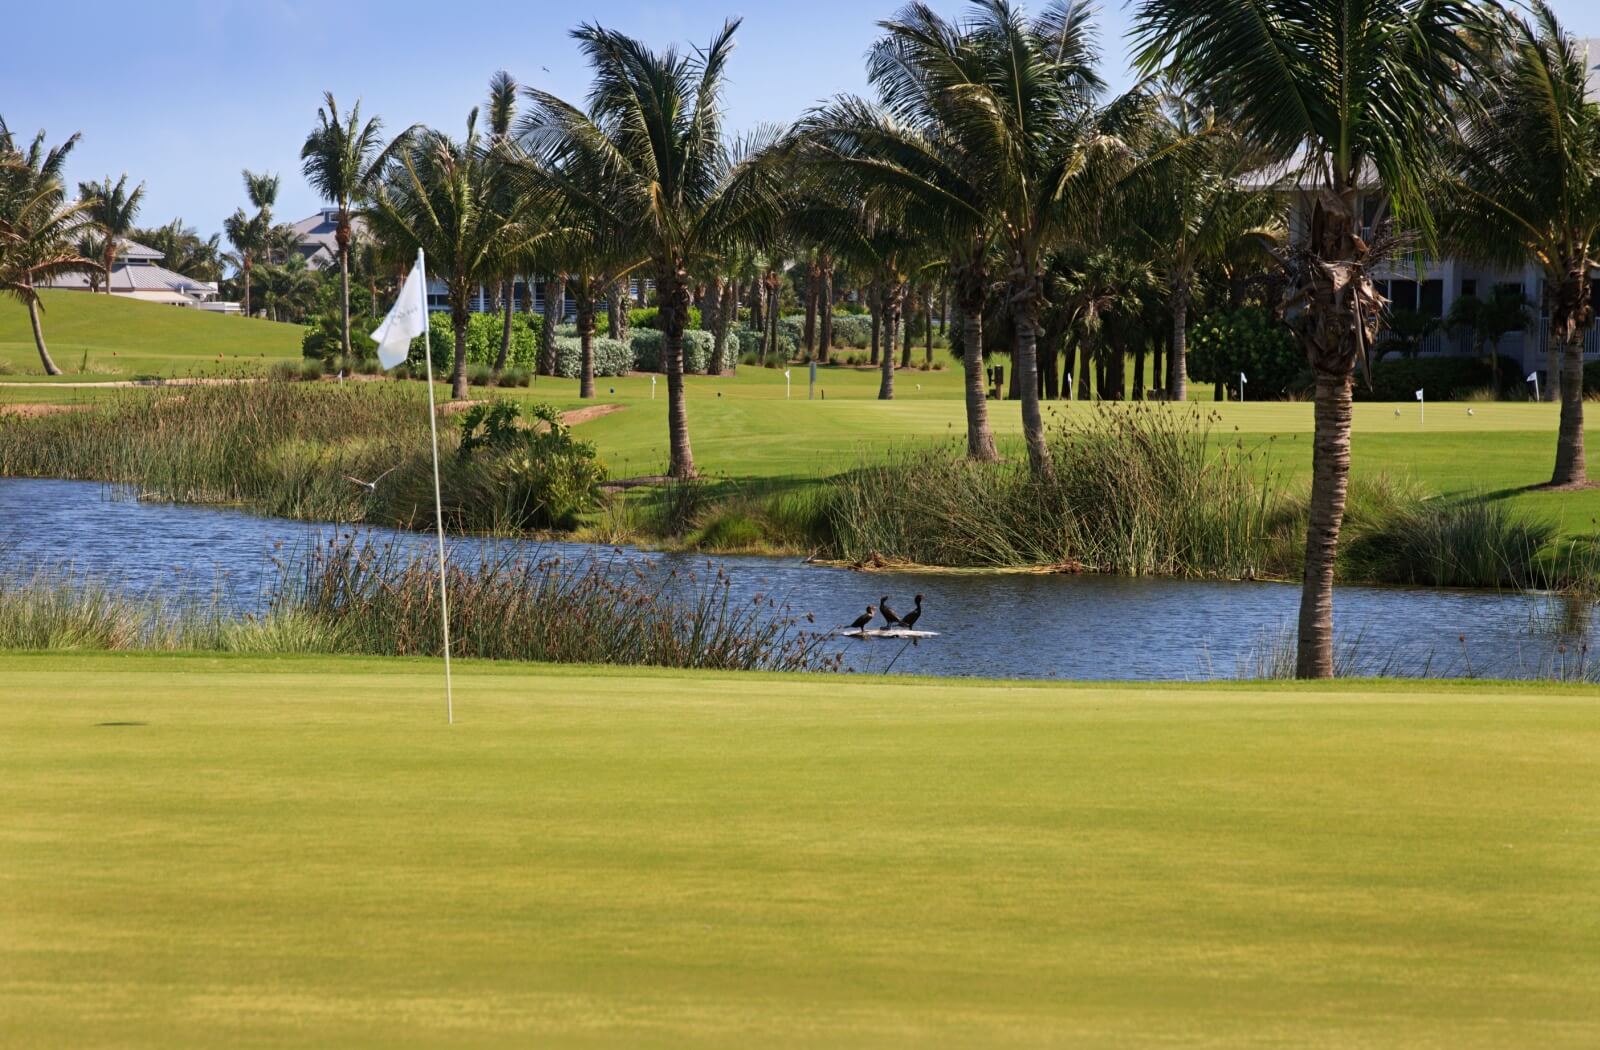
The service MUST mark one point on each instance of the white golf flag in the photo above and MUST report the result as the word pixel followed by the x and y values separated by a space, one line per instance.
pixel 1532 376
pixel 407 319
pixel 1419 395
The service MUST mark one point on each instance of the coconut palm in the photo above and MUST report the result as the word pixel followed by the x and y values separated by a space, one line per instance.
pixel 441 195
pixel 654 128
pixel 111 208
pixel 502 107
pixel 248 235
pixel 39 228
pixel 1524 181
pixel 1285 68
pixel 1193 206
pixel 342 158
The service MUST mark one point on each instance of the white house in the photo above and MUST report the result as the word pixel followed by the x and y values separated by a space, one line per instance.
pixel 137 273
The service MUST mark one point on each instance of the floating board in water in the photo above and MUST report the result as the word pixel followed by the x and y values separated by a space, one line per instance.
pixel 887 632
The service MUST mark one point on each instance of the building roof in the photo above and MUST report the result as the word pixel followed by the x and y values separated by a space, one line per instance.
pixel 142 278
pixel 317 236
pixel 134 250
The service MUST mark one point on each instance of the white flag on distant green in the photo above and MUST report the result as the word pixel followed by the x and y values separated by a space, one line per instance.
pixel 407 319
pixel 1419 395
pixel 1532 376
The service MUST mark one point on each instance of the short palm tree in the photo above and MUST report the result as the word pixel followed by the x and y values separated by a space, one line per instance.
pixel 342 159
pixel 654 128
pixel 111 208
pixel 39 228
pixel 1524 182
pixel 440 195
pixel 1285 69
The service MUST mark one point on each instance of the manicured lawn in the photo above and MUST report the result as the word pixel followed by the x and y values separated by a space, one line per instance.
pixel 298 852
pixel 127 339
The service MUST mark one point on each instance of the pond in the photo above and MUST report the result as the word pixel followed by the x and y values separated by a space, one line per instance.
pixel 990 625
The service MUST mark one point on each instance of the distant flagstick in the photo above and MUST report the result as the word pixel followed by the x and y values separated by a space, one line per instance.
pixel 406 321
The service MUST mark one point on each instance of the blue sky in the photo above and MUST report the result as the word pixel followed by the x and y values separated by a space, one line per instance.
pixel 184 94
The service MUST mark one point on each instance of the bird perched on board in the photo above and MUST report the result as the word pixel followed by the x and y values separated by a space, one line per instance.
pixel 371 486
pixel 861 621
pixel 910 619
pixel 890 618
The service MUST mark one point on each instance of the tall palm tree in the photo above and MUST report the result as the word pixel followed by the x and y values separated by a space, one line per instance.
pixel 440 195
pixel 112 209
pixel 1286 70
pixel 1193 206
pixel 39 228
pixel 502 109
pixel 1524 181
pixel 248 235
pixel 342 159
pixel 654 127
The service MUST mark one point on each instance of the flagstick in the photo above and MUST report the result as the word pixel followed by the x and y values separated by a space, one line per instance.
pixel 438 500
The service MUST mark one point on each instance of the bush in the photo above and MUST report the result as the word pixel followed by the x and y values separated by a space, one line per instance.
pixel 1443 378
pixel 646 344
pixel 324 337
pixel 649 317
pixel 852 330
pixel 540 476
pixel 1226 342
pixel 750 346
pixel 612 357
pixel 483 341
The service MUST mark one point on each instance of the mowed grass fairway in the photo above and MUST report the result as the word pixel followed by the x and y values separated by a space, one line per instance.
pixel 127 339
pixel 299 852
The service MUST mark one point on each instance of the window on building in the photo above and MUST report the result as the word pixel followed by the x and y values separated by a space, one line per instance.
pixel 1469 286
pixel 1430 300
pixel 1402 295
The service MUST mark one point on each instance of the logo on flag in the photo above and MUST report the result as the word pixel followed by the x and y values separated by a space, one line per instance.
pixel 407 319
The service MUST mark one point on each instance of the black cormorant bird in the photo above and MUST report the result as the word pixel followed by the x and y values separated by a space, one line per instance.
pixel 910 619
pixel 889 617
pixel 861 621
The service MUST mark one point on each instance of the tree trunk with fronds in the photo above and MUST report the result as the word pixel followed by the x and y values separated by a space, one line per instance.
pixel 1026 293
pixel 1337 324
pixel 45 359
pixel 507 305
pixel 813 277
pixel 1179 390
pixel 342 239
pixel 1571 316
pixel 825 311
pixel 672 290
pixel 971 291
pixel 889 311
pixel 585 341
pixel 554 292
pixel 460 296
pixel 727 310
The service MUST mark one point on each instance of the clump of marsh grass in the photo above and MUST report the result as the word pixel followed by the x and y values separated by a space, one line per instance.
pixel 1137 490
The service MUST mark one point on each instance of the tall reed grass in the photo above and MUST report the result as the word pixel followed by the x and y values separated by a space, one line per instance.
pixel 345 597
pixel 1143 491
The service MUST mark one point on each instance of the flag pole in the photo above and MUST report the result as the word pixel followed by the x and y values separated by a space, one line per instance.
pixel 438 499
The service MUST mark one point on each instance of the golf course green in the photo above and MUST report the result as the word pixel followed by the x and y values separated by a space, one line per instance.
pixel 300 852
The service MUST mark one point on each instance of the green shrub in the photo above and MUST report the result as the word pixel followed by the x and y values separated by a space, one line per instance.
pixel 483 341
pixel 1226 342
pixel 1443 378
pixel 750 346
pixel 537 476
pixel 1448 543
pixel 854 331
pixel 646 344
pixel 611 357
pixel 649 316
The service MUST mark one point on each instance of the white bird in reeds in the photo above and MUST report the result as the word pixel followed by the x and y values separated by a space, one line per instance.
pixel 371 486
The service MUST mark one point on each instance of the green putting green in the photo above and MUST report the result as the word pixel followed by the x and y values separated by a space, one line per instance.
pixel 299 852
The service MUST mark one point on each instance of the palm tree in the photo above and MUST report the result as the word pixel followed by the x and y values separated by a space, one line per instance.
pixel 502 108
pixel 111 209
pixel 1192 207
pixel 654 128
pixel 39 229
pixel 248 235
pixel 1524 181
pixel 1285 69
pixel 441 196
pixel 342 159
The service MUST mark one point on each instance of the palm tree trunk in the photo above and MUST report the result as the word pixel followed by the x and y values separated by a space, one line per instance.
pixel 726 312
pixel 1085 367
pixel 825 307
pixel 111 259
pixel 585 340
pixel 507 305
pixel 876 311
pixel 1025 295
pixel 673 293
pixel 342 237
pixel 1330 479
pixel 554 292
pixel 889 311
pixel 1179 390
pixel 927 329
pixel 1567 316
pixel 246 285
pixel 1138 374
pixel 980 437
pixel 813 274
pixel 902 326
pixel 458 321
pixel 50 368
pixel 711 312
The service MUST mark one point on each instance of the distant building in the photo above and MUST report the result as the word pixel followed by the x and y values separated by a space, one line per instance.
pixel 317 237
pixel 137 273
